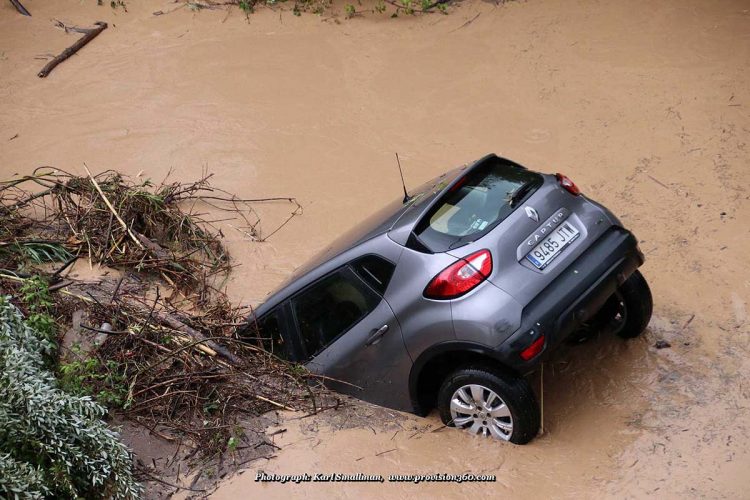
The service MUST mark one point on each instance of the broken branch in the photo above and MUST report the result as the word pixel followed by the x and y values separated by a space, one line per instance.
pixel 89 34
pixel 175 323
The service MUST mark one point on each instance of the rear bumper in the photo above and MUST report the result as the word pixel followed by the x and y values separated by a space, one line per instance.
pixel 574 297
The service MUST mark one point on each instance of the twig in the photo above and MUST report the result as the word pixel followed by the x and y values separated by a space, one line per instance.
pixel 117 289
pixel 243 200
pixel 273 402
pixel 466 23
pixel 541 397
pixel 151 312
pixel 18 242
pixel 64 266
pixel 28 200
pixel 68 29
pixel 151 400
pixel 86 38
pixel 20 8
pixel 151 477
pixel 659 182
pixel 60 285
pixel 12 278
pixel 112 209
pixel 107 332
pixel 297 211
pixel 687 323
pixel 190 376
pixel 384 452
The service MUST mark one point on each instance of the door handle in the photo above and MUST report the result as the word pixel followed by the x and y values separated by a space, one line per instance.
pixel 376 335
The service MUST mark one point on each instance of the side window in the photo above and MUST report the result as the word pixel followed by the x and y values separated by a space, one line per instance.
pixel 376 271
pixel 266 333
pixel 330 307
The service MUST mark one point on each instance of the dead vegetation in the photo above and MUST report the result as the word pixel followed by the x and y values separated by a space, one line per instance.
pixel 164 349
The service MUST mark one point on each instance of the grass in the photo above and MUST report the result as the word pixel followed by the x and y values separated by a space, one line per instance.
pixel 34 252
pixel 39 253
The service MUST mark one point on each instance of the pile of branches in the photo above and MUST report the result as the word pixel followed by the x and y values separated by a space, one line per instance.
pixel 165 345
pixel 186 375
pixel 120 223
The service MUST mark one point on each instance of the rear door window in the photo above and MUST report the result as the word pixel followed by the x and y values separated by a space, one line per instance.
pixel 329 308
pixel 375 271
pixel 476 204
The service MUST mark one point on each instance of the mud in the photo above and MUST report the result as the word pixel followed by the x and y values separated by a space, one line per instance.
pixel 644 104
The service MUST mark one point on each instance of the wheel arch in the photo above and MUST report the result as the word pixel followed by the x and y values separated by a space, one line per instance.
pixel 433 365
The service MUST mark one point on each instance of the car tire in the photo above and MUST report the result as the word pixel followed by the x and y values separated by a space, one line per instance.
pixel 515 417
pixel 633 304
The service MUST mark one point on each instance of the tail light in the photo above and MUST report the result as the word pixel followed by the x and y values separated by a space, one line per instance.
pixel 534 349
pixel 461 277
pixel 568 184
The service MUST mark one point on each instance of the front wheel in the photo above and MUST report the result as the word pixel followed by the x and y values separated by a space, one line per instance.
pixel 629 309
pixel 484 401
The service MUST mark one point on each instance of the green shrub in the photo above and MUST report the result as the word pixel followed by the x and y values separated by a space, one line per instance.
pixel 21 479
pixel 35 295
pixel 52 444
pixel 87 376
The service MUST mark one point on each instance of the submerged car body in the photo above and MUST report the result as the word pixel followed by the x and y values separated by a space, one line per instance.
pixel 489 265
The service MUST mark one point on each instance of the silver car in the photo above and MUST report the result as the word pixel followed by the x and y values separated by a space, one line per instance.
pixel 448 298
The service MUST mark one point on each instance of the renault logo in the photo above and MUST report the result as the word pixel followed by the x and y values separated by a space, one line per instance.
pixel 532 214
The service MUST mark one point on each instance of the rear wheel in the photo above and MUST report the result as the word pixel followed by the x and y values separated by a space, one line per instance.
pixel 629 309
pixel 486 402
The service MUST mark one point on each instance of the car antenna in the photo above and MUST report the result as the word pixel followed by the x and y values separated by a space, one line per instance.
pixel 407 198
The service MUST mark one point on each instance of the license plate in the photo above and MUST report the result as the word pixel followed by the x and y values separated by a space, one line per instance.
pixel 553 245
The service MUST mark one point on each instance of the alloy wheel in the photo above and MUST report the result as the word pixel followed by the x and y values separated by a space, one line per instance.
pixel 480 410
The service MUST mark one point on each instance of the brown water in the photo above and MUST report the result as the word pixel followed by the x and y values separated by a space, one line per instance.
pixel 644 104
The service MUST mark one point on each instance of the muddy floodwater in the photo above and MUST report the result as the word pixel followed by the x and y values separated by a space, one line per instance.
pixel 645 105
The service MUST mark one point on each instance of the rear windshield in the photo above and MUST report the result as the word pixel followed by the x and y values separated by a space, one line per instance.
pixel 476 204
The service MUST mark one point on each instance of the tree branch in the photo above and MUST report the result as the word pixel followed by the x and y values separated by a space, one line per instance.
pixel 89 34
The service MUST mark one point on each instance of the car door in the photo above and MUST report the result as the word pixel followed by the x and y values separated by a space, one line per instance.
pixel 351 336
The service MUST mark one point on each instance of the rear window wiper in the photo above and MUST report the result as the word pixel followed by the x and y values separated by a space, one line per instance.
pixel 520 193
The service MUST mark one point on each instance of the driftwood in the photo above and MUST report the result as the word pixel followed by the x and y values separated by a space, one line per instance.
pixel 20 8
pixel 173 322
pixel 89 34
pixel 157 250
